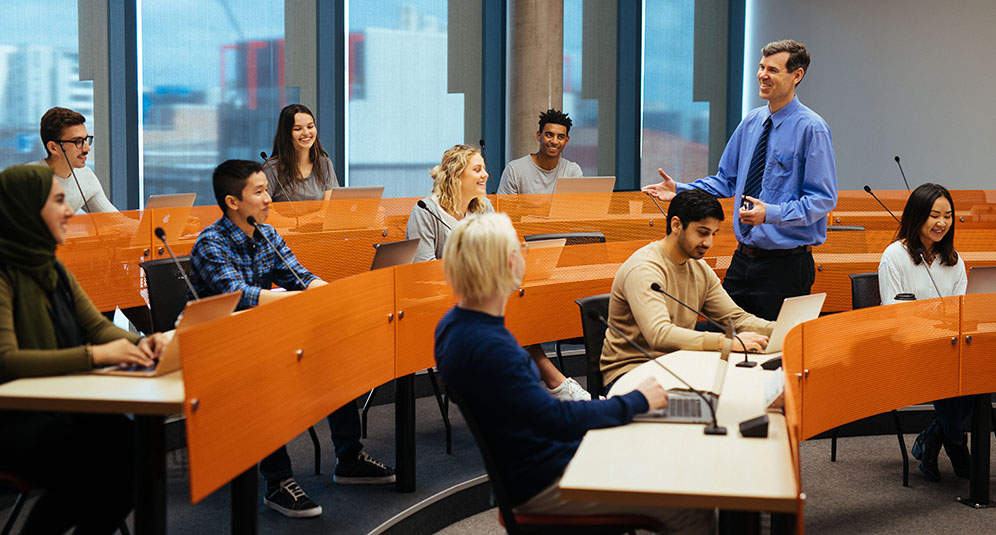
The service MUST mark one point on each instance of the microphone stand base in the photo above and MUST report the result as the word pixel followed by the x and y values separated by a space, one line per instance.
pixel 746 364
pixel 715 430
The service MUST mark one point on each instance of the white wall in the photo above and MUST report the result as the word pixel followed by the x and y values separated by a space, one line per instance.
pixel 913 78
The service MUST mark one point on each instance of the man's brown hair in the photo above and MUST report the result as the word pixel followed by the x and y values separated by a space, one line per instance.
pixel 55 121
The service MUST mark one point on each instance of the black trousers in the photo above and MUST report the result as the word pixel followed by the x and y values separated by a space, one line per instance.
pixel 344 426
pixel 84 463
pixel 760 284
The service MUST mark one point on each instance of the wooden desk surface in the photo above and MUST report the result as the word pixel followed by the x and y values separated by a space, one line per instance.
pixel 96 393
pixel 677 464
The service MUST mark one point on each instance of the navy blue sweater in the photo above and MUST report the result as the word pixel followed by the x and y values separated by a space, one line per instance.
pixel 532 434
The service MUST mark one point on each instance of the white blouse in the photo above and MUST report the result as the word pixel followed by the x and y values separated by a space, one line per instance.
pixel 898 274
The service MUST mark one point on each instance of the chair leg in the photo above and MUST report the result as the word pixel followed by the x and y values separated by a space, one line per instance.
pixel 443 410
pixel 992 418
pixel 833 444
pixel 902 449
pixel 123 528
pixel 363 413
pixel 560 358
pixel 15 511
pixel 318 450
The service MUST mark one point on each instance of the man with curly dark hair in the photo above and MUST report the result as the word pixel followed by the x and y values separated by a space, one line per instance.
pixel 538 172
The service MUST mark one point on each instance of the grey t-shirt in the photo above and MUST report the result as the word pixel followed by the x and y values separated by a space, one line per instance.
pixel 523 176
pixel 96 201
pixel 431 230
pixel 312 188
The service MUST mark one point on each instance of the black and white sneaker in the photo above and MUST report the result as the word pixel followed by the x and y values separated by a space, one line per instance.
pixel 363 470
pixel 289 499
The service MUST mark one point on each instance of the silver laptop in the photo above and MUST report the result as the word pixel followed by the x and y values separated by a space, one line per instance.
pixel 167 211
pixel 351 208
pixel 981 280
pixel 794 311
pixel 686 407
pixel 394 253
pixel 587 197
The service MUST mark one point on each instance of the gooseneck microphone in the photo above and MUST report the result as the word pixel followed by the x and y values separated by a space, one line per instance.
pixel 422 205
pixel 252 221
pixel 652 198
pixel 72 172
pixel 869 191
pixel 729 330
pixel 262 154
pixel 902 173
pixel 161 234
pixel 921 252
pixel 713 429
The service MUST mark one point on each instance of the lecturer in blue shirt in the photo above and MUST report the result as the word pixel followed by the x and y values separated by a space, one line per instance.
pixel 779 168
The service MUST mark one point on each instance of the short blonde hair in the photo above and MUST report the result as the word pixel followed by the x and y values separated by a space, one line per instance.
pixel 475 258
pixel 446 184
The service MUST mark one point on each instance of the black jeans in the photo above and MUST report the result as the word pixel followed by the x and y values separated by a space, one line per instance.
pixel 760 284
pixel 84 463
pixel 344 426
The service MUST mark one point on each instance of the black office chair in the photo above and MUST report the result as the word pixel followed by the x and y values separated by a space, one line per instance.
pixel 23 487
pixel 573 238
pixel 168 297
pixel 864 293
pixel 522 524
pixel 594 336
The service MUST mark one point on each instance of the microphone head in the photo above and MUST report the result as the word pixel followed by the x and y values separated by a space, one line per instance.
pixel 160 233
pixel 251 220
pixel 262 154
pixel 655 287
pixel 421 204
pixel 481 142
pixel 868 188
pixel 897 159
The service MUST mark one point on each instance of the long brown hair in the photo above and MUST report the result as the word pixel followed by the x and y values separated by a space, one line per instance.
pixel 915 214
pixel 286 155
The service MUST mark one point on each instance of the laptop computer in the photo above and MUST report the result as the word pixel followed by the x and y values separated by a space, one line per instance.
pixel 981 280
pixel 542 258
pixel 587 197
pixel 394 253
pixel 167 211
pixel 351 208
pixel 794 311
pixel 195 313
pixel 687 407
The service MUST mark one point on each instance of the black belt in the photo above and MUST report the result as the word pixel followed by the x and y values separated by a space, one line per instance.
pixel 757 252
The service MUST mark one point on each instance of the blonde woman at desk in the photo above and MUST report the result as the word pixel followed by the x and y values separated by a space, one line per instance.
pixel 298 169
pixel 925 241
pixel 48 326
pixel 458 186
pixel 534 434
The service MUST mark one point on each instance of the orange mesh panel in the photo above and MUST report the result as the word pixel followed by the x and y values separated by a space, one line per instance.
pixel 978 366
pixel 872 360
pixel 103 251
pixel 423 297
pixel 254 393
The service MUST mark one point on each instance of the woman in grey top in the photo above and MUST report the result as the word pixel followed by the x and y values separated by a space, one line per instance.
pixel 298 169
pixel 458 186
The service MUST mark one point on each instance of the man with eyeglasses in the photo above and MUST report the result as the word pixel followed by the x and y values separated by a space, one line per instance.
pixel 67 143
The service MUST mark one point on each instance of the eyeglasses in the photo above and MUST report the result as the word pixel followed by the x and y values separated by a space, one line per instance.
pixel 77 141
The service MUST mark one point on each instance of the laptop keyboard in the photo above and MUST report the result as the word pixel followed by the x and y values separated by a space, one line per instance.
pixel 684 407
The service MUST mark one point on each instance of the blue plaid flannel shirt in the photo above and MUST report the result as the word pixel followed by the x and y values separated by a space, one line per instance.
pixel 225 260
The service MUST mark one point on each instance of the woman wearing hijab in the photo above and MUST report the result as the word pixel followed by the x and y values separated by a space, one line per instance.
pixel 48 326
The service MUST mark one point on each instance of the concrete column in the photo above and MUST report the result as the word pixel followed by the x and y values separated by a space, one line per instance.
pixel 537 67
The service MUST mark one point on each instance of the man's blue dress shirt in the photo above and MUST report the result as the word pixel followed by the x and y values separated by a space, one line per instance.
pixel 799 187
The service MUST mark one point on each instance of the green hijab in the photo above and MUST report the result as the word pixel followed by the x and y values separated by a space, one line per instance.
pixel 27 252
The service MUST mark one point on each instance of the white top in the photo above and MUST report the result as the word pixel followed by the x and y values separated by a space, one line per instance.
pixel 96 201
pixel 523 176
pixel 898 274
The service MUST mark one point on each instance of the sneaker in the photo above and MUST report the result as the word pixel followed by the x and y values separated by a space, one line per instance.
pixel 569 390
pixel 363 470
pixel 961 459
pixel 289 499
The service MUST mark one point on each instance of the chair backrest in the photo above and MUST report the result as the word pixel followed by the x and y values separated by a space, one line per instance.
pixel 864 290
pixel 483 444
pixel 167 291
pixel 573 238
pixel 593 333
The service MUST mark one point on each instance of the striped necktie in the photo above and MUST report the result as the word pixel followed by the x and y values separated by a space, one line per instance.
pixel 752 186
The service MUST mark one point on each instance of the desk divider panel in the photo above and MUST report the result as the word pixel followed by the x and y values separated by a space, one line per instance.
pixel 424 297
pixel 245 375
pixel 876 359
pixel 978 356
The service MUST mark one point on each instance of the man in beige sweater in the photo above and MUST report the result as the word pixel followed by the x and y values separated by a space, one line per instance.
pixel 655 321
